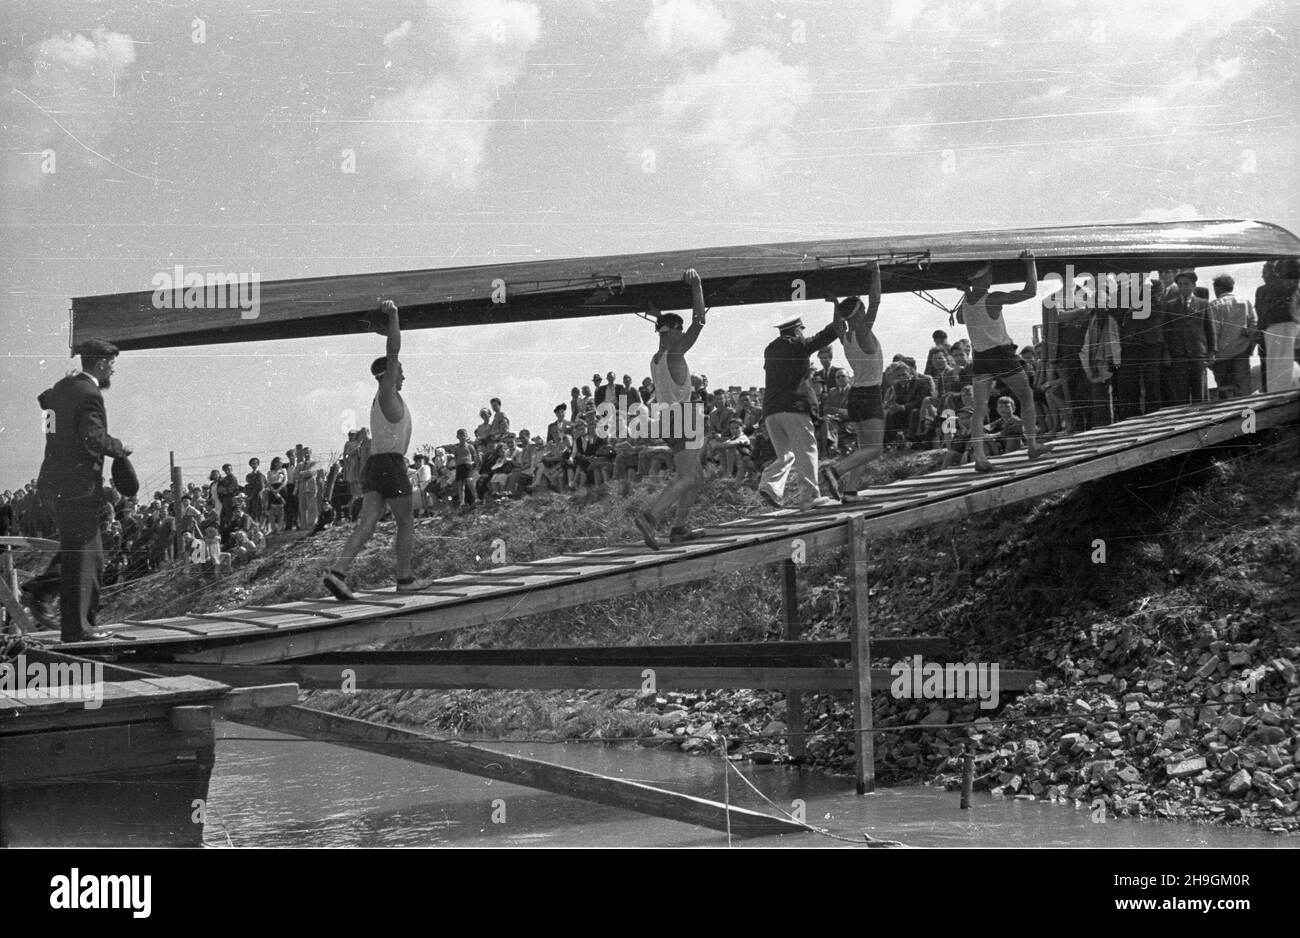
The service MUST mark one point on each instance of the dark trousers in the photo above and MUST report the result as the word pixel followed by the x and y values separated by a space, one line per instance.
pixel 1233 375
pixel 1137 383
pixel 1183 377
pixel 77 569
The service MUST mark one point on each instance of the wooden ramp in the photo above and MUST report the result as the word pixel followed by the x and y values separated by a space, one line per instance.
pixel 297 629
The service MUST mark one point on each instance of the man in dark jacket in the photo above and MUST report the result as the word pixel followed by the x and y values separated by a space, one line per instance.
pixel 1190 340
pixel 72 480
pixel 789 409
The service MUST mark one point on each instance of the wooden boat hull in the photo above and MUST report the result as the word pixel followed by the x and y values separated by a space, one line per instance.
pixel 621 284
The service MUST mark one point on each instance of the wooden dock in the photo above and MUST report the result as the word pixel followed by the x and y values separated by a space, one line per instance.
pixel 120 759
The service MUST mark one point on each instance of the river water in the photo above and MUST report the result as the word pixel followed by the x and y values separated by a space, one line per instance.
pixel 270 790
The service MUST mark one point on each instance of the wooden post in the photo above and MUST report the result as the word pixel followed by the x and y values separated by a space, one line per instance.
pixel 794 717
pixel 177 544
pixel 860 637
pixel 967 776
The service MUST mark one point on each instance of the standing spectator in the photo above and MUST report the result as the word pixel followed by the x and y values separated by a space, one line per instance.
pixel 1141 342
pixel 423 476
pixel 1234 331
pixel 1189 340
pixel 1275 304
pixel 309 490
pixel 789 411
pixel 465 457
pixel 71 478
pixel 500 422
pixel 255 484
pixel 556 429
pixel 483 432
pixel 291 490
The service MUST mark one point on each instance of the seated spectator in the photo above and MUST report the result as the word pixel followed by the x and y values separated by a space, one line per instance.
pixel 958 428
pixel 835 415
pixel 904 396
pixel 503 467
pixel 735 451
pixel 1008 431
pixel 548 472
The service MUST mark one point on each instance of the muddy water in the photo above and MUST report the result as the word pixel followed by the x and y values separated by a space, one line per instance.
pixel 270 790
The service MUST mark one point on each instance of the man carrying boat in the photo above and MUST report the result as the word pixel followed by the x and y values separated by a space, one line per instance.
pixel 672 396
pixel 866 406
pixel 384 480
pixel 994 354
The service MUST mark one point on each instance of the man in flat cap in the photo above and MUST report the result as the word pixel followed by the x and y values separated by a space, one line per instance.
pixel 789 408
pixel 72 482
pixel 1191 341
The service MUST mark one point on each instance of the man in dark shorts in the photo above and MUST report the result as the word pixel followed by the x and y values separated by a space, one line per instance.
pixel 994 355
pixel 673 394
pixel 384 481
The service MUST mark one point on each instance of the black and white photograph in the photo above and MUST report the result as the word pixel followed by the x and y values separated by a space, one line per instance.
pixel 662 424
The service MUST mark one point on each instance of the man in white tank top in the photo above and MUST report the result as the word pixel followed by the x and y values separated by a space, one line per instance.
pixel 994 354
pixel 384 479
pixel 672 381
pixel 866 409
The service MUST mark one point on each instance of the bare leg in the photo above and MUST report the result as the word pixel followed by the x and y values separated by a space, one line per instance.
pixel 871 445
pixel 404 544
pixel 372 506
pixel 983 387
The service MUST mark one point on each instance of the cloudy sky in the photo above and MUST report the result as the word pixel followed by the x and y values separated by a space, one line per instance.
pixel 332 136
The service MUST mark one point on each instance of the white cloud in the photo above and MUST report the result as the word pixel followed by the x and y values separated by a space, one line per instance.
pixel 104 50
pixel 398 34
pixel 455 60
pixel 736 113
pixel 74 81
pixel 675 26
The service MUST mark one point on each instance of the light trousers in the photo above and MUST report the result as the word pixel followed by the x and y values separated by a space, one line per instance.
pixel 1279 355
pixel 795 443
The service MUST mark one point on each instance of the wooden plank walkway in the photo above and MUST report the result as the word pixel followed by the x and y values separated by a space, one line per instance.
pixel 311 627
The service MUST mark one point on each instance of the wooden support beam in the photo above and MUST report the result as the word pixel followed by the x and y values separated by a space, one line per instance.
pixel 517 770
pixel 543 677
pixel 794 717
pixel 260 697
pixel 860 631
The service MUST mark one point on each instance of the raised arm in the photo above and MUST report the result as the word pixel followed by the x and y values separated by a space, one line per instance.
pixel 389 402
pixel 687 342
pixel 1031 283
pixel 1028 292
